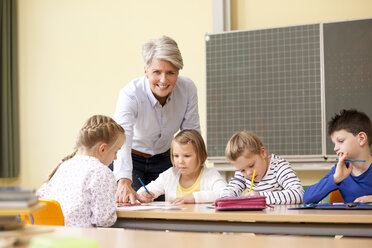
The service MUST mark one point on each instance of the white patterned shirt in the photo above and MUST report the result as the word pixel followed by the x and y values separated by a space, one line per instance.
pixel 280 184
pixel 85 188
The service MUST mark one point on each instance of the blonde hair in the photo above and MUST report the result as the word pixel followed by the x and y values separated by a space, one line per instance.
pixel 241 142
pixel 163 48
pixel 191 137
pixel 98 128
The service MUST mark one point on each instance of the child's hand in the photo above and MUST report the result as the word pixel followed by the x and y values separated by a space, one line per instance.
pixel 342 171
pixel 365 198
pixel 184 200
pixel 252 193
pixel 147 198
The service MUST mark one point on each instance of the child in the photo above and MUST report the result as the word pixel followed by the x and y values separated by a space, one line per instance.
pixel 188 181
pixel 351 132
pixel 274 178
pixel 82 183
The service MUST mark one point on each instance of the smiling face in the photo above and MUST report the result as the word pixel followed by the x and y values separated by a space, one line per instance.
pixel 185 159
pixel 248 162
pixel 162 76
pixel 346 142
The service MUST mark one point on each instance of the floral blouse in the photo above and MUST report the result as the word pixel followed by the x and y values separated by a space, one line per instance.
pixel 85 188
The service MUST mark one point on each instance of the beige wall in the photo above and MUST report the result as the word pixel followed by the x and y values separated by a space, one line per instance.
pixel 75 56
pixel 253 14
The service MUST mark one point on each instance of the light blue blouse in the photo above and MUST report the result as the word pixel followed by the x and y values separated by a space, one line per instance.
pixel 149 126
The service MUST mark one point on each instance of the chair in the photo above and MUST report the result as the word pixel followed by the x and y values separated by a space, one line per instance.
pixel 335 196
pixel 51 214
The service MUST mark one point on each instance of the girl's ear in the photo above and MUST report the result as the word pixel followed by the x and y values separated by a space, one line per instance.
pixel 263 152
pixel 102 147
pixel 362 138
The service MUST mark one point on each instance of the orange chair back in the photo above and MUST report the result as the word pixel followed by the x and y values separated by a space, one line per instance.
pixel 51 214
pixel 335 196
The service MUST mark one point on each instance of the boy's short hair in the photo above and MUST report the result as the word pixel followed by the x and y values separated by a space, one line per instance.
pixel 241 142
pixel 352 121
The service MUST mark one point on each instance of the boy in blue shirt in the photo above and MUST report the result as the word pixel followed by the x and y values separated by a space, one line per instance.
pixel 351 132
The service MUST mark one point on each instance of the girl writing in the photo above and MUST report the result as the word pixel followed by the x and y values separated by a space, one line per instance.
pixel 188 181
pixel 82 183
pixel 272 175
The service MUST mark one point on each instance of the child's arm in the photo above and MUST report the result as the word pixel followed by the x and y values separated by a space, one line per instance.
pixel 366 198
pixel 235 187
pixel 102 187
pixel 342 170
pixel 318 191
pixel 211 185
pixel 292 192
pixel 157 187
pixel 184 200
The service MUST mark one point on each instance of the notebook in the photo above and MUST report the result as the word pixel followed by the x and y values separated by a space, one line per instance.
pixel 241 203
pixel 336 205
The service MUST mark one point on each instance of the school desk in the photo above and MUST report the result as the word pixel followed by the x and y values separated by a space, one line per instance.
pixel 279 220
pixel 114 237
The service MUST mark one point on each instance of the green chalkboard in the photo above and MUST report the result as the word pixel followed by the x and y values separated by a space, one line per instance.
pixel 278 83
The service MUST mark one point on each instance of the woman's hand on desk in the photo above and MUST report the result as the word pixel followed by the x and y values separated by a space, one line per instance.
pixel 125 193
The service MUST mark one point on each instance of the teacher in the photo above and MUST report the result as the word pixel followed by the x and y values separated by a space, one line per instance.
pixel 151 109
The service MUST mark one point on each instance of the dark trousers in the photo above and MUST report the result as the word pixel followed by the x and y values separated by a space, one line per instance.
pixel 148 169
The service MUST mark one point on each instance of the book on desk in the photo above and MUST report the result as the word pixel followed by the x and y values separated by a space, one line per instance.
pixel 15 201
pixel 15 197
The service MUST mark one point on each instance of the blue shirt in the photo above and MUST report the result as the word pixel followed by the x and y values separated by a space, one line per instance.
pixel 149 126
pixel 350 188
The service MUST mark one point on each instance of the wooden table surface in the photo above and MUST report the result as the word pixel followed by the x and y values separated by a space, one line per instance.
pixel 280 213
pixel 277 220
pixel 114 237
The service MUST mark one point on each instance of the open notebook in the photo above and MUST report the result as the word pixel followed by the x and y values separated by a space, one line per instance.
pixel 241 203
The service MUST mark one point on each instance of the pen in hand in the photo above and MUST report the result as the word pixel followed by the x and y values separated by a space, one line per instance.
pixel 254 173
pixel 144 186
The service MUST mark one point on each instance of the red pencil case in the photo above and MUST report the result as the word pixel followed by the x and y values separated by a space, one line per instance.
pixel 241 203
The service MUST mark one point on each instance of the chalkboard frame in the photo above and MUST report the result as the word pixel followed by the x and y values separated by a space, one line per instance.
pixel 226 88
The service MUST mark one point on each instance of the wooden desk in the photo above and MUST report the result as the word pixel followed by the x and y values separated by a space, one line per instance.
pixel 279 220
pixel 113 237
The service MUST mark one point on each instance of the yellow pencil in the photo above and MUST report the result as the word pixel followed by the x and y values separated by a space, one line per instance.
pixel 254 173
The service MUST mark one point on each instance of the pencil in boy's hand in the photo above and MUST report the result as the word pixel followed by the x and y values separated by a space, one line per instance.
pixel 254 173
pixel 144 186
pixel 352 160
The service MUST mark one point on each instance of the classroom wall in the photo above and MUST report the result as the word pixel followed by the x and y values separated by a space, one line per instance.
pixel 75 56
pixel 253 14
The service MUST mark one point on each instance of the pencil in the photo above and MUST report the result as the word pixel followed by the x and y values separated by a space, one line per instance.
pixel 352 160
pixel 144 186
pixel 254 173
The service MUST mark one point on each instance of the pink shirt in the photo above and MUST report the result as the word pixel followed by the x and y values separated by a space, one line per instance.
pixel 85 189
